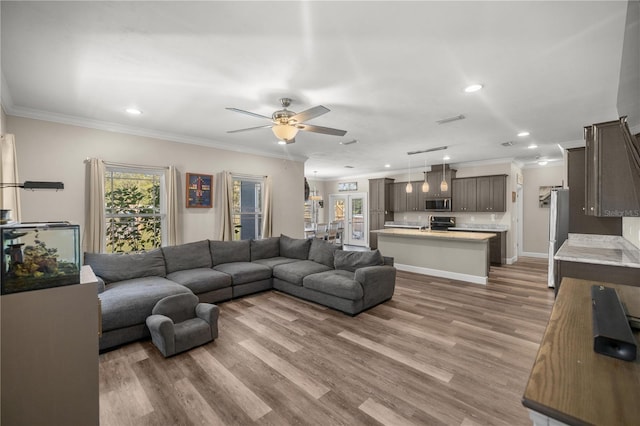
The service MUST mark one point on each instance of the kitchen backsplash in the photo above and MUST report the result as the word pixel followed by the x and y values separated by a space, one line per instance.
pixel 461 218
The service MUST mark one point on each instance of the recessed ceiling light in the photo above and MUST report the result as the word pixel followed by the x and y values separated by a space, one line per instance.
pixel 473 88
pixel 387 165
pixel 523 134
pixel 532 146
pixel 133 111
pixel 542 163
pixel 446 157
pixel 282 143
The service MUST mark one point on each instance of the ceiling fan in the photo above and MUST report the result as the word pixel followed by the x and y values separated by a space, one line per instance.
pixel 286 124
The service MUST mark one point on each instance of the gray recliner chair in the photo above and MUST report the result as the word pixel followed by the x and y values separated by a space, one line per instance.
pixel 179 323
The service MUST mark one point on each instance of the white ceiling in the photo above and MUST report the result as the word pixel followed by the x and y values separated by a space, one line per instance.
pixel 386 70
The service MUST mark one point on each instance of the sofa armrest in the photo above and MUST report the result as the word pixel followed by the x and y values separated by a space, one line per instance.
pixel 100 282
pixel 388 260
pixel 162 333
pixel 378 283
pixel 209 313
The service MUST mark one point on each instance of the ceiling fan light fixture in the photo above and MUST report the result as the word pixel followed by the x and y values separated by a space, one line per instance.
pixel 284 132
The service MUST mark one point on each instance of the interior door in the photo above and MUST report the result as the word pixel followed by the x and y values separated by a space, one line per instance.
pixel 352 209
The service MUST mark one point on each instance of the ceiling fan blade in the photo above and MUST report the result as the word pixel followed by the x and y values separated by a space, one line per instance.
pixel 249 128
pixel 314 112
pixel 320 129
pixel 241 111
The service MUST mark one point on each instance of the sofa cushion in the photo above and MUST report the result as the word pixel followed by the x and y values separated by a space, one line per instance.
pixel 201 280
pixel 352 260
pixel 265 249
pixel 294 272
pixel 187 256
pixel 244 272
pixel 294 248
pixel 274 261
pixel 130 302
pixel 322 251
pixel 113 267
pixel 230 251
pixel 336 283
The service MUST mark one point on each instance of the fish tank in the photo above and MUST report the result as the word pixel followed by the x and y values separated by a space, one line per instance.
pixel 36 256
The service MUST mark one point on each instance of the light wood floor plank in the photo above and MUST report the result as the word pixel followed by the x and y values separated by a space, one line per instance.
pixel 303 381
pixel 249 402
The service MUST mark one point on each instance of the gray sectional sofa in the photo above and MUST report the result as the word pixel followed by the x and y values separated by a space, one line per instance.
pixel 131 284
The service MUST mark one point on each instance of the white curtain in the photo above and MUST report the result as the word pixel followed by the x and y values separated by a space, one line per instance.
pixel 9 197
pixel 267 208
pixel 171 183
pixel 222 204
pixel 95 224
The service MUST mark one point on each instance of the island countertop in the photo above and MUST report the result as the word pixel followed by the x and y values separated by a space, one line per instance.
pixel 428 234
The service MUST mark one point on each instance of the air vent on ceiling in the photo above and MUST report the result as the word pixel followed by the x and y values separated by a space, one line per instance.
pixel 348 167
pixel 450 119
pixel 508 143
pixel 351 142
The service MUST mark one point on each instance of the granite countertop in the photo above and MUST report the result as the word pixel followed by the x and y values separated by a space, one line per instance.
pixel 447 235
pixel 489 227
pixel 600 249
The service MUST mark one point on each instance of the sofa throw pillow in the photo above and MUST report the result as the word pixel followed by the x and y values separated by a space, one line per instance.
pixel 230 251
pixel 352 260
pixel 112 267
pixel 187 256
pixel 294 248
pixel 265 249
pixel 322 251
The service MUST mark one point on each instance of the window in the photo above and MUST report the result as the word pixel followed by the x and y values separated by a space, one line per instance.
pixel 247 207
pixel 134 208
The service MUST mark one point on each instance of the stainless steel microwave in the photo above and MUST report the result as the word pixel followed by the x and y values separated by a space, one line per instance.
pixel 440 204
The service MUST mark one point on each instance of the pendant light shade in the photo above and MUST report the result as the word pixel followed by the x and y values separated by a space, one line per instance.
pixel 443 185
pixel 409 188
pixel 425 185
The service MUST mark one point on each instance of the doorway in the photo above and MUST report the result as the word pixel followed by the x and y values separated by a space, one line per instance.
pixel 351 210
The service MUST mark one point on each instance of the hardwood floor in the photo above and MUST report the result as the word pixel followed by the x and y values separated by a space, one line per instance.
pixel 441 352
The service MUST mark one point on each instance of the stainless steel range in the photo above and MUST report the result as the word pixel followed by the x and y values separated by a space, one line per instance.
pixel 441 223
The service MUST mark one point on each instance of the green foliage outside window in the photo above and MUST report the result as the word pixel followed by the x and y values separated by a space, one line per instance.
pixel 132 211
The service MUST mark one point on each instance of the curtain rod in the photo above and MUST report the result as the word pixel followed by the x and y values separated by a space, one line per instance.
pixel 247 176
pixel 131 166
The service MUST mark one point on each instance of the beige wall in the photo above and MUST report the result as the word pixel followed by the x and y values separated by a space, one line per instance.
pixel 3 121
pixel 56 152
pixel 536 219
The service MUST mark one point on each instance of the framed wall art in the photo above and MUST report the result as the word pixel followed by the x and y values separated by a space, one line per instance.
pixel 199 190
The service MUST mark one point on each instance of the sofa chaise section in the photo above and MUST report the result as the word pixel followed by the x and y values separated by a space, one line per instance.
pixel 132 285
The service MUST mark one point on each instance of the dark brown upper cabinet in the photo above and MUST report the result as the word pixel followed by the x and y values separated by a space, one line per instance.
pixel 612 179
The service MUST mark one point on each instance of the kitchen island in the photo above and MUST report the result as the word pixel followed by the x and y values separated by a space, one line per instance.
pixel 460 256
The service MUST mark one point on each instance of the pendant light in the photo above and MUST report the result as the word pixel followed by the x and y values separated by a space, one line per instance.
pixel 409 188
pixel 425 185
pixel 443 185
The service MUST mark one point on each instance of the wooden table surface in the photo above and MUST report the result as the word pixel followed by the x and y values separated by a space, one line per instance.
pixel 572 383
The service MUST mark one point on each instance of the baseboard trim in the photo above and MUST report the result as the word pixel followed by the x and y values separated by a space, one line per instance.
pixel 474 279
pixel 532 254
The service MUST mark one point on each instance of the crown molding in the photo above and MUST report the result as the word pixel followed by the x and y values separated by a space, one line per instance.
pixel 137 131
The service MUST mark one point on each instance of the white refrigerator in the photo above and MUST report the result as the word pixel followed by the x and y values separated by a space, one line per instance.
pixel 558 227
